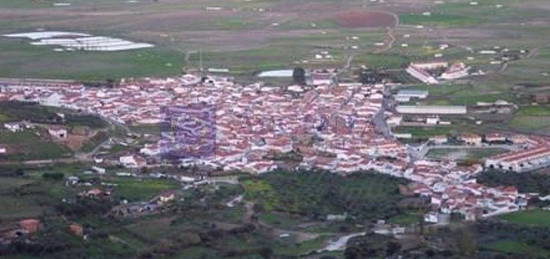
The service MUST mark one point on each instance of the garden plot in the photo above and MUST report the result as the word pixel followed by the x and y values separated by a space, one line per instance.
pixel 79 41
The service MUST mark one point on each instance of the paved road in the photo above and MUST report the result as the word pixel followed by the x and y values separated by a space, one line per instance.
pixel 379 122
pixel 340 243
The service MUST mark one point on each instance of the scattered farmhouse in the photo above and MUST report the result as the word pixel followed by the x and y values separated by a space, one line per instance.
pixel 58 132
pixel 13 126
pixel 132 161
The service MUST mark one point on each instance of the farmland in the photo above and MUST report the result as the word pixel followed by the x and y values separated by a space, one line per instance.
pixel 531 218
pixel 516 247
pixel 27 145
pixel 198 223
pixel 249 36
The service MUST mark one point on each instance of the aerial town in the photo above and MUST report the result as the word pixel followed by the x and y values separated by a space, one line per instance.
pixel 274 129
pixel 339 127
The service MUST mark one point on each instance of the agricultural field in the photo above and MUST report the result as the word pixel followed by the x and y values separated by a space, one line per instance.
pixel 19 59
pixel 424 132
pixel 515 248
pixel 251 36
pixel 532 119
pixel 26 193
pixel 260 31
pixel 198 224
pixel 537 217
pixel 138 189
pixel 85 132
pixel 27 145
pixel 19 111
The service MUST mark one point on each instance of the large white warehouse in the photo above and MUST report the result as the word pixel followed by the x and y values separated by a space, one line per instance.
pixel 431 109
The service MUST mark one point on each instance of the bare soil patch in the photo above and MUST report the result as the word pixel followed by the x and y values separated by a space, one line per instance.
pixel 357 19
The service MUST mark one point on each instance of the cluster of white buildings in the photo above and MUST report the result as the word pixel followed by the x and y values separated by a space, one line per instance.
pixel 536 155
pixel 424 71
pixel 331 127
pixel 453 189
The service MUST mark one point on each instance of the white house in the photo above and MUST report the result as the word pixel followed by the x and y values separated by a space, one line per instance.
pixel 431 217
pixel 58 132
pixel 13 126
pixel 132 161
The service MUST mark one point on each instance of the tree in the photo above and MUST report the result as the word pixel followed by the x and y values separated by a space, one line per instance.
pixel 53 176
pixel 465 242
pixel 392 247
pixel 266 252
pixel 369 76
pixel 110 82
pixel 299 75
pixel 19 172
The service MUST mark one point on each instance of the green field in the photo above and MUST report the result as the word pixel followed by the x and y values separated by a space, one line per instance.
pixel 406 219
pixel 537 217
pixel 28 195
pixel 446 20
pixel 539 124
pixel 517 247
pixel 280 220
pixel 424 132
pixel 26 145
pixel 21 111
pixel 4 117
pixel 534 111
pixel 464 154
pixel 20 59
pixel 140 190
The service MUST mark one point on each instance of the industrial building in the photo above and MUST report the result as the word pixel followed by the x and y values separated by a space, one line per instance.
pixel 422 75
pixel 407 95
pixel 431 109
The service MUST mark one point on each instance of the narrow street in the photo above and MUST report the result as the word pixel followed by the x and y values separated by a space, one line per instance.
pixel 379 121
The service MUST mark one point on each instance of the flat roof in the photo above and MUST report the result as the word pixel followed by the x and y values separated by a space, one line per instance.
pixel 412 92
pixel 431 109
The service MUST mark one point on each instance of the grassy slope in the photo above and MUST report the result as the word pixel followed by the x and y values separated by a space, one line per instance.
pixel 529 217
pixel 27 145
pixel 516 247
